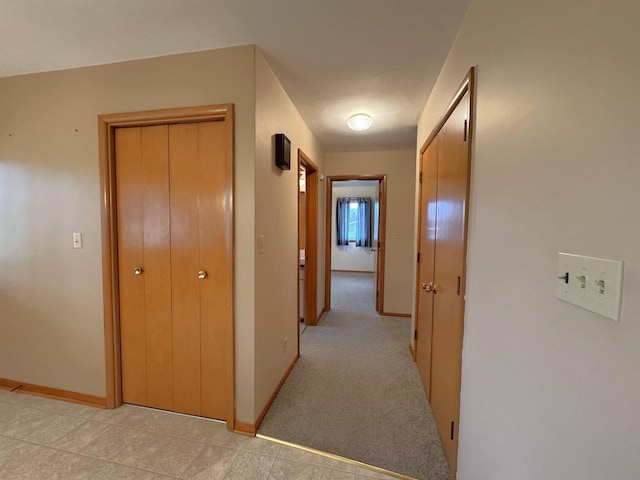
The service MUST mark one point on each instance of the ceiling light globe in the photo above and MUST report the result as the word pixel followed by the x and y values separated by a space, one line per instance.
pixel 359 122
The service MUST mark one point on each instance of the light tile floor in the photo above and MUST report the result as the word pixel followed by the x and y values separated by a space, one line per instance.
pixel 45 439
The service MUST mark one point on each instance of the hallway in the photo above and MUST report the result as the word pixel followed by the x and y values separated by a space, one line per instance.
pixel 355 392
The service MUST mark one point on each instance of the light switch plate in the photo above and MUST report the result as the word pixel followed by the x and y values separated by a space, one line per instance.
pixel 260 243
pixel 77 240
pixel 594 284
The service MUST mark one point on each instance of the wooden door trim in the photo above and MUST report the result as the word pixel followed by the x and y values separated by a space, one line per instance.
pixel 467 85
pixel 311 244
pixel 382 178
pixel 107 125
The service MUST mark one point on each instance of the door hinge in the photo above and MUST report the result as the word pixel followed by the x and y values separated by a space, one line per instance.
pixel 420 177
pixel 418 260
pixel 415 334
pixel 458 285
pixel 466 124
pixel 452 427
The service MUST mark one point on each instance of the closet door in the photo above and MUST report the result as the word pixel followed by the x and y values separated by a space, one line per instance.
pixel 142 183
pixel 449 273
pixel 428 212
pixel 201 270
pixel 175 255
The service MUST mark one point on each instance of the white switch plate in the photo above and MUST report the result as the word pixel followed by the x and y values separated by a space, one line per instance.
pixel 77 240
pixel 602 298
pixel 260 243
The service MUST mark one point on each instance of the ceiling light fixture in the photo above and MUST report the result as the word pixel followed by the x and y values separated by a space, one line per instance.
pixel 359 122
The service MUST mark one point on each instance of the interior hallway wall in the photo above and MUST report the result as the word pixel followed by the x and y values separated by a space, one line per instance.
pixel 276 270
pixel 399 166
pixel 51 320
pixel 549 391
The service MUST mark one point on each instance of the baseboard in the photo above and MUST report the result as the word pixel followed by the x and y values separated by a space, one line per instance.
pixel 352 271
pixel 275 392
pixel 56 393
pixel 390 314
pixel 245 428
pixel 413 353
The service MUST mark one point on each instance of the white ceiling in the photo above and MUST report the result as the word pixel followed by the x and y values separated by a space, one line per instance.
pixel 333 57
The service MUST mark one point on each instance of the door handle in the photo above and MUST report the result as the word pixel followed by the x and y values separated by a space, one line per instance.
pixel 430 287
pixel 137 271
pixel 202 274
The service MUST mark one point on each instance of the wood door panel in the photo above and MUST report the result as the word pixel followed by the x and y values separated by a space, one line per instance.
pixel 428 209
pixel 131 255
pixel 174 186
pixel 185 297
pixel 449 265
pixel 216 294
pixel 157 268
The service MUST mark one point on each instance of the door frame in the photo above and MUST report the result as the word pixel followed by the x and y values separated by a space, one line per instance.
pixel 311 243
pixel 107 125
pixel 382 229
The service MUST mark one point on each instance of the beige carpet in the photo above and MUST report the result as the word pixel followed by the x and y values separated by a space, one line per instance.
pixel 355 391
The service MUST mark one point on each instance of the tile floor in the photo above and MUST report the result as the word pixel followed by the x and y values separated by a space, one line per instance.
pixel 44 439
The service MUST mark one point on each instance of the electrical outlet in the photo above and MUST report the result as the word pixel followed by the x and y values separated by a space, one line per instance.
pixel 285 345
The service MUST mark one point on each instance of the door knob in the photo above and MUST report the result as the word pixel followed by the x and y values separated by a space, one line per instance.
pixel 137 271
pixel 202 274
pixel 426 287
pixel 434 288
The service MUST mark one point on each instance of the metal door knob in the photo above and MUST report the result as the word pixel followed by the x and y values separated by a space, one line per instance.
pixel 137 271
pixel 202 274
pixel 429 287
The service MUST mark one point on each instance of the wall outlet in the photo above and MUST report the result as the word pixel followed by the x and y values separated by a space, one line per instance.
pixel 285 345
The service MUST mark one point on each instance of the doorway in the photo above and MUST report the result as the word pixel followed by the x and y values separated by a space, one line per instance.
pixel 346 254
pixel 307 242
pixel 168 259
pixel 445 166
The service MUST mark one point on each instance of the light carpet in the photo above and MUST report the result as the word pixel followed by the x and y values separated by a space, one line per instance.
pixel 355 391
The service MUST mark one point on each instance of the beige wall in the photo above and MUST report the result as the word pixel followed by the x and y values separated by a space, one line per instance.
pixel 276 204
pixel 399 166
pixel 351 257
pixel 51 320
pixel 549 390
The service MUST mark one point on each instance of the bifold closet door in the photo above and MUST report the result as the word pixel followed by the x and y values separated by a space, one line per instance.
pixel 142 180
pixel 175 267
pixel 200 270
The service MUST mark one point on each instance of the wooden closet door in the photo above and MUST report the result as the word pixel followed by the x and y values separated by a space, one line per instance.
pixel 201 259
pixel 428 212
pixel 142 183
pixel 216 259
pixel 449 272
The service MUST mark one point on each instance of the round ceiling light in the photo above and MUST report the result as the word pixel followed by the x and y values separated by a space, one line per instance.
pixel 359 122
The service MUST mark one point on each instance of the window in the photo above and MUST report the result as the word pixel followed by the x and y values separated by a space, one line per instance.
pixel 353 221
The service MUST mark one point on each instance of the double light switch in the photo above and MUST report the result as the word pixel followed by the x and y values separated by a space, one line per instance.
pixel 592 283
